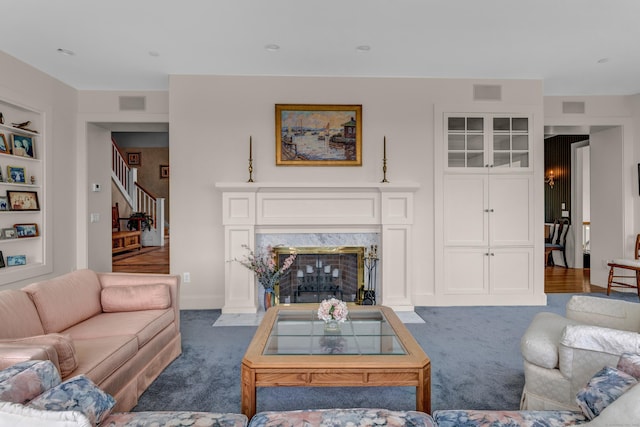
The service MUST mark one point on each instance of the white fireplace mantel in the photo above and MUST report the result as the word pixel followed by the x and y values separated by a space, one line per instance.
pixel 385 208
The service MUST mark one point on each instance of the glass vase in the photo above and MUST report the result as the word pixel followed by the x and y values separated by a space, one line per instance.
pixel 332 326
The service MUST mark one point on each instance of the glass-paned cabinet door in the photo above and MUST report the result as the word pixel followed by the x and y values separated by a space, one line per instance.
pixel 511 143
pixel 466 147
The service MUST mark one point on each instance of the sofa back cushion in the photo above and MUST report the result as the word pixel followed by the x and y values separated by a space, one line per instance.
pixel 18 315
pixel 135 298
pixel 66 300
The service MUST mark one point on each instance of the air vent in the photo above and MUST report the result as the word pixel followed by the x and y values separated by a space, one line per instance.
pixel 133 103
pixel 487 92
pixel 573 107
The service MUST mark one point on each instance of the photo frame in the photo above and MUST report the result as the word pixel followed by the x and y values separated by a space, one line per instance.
pixel 4 203
pixel 16 174
pixel 2 265
pixel 26 230
pixel 4 145
pixel 134 159
pixel 23 200
pixel 22 145
pixel 164 171
pixel 318 135
pixel 15 260
pixel 8 233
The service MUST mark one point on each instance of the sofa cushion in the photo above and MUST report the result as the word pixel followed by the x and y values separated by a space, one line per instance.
pixel 77 394
pixel 630 364
pixel 605 387
pixel 100 357
pixel 174 418
pixel 18 315
pixel 135 298
pixel 342 418
pixel 474 418
pixel 53 299
pixel 24 381
pixel 63 346
pixel 539 344
pixel 14 414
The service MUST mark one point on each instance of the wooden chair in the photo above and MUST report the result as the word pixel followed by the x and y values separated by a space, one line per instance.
pixel 557 240
pixel 630 265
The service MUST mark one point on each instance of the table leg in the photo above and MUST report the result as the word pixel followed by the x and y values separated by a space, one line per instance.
pixel 423 392
pixel 248 391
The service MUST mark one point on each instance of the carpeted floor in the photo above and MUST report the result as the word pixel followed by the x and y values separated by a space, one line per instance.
pixel 474 352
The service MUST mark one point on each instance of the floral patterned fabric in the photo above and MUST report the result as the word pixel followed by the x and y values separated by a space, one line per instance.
pixel 24 381
pixel 605 387
pixel 77 394
pixel 461 418
pixel 174 419
pixel 630 363
pixel 342 418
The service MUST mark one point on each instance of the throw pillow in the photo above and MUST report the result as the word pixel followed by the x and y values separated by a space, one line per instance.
pixel 61 343
pixel 14 414
pixel 25 380
pixel 135 298
pixel 630 363
pixel 77 394
pixel 603 389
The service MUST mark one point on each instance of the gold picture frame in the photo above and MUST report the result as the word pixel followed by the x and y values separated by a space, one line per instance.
pixel 318 135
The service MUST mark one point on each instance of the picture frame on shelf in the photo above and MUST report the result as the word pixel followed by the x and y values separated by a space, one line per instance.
pixel 134 159
pixel 4 203
pixel 16 174
pixel 16 260
pixel 26 230
pixel 22 146
pixel 164 171
pixel 318 135
pixel 2 265
pixel 8 233
pixel 4 145
pixel 23 200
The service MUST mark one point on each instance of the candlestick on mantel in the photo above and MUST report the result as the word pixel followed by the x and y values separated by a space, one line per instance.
pixel 250 160
pixel 384 160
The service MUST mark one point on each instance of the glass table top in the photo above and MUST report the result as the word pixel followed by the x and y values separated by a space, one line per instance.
pixel 300 332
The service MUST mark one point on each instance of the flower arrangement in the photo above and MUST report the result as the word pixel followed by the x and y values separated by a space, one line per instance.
pixel 333 309
pixel 265 266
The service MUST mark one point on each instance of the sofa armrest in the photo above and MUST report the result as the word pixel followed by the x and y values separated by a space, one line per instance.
pixel 136 279
pixel 12 353
pixel 539 344
pixel 608 313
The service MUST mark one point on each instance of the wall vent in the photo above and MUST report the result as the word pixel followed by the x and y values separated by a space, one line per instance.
pixel 487 92
pixel 133 103
pixel 573 107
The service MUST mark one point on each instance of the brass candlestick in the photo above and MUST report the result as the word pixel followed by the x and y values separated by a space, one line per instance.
pixel 250 160
pixel 384 160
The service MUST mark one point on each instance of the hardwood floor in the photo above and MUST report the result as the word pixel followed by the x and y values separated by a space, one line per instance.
pixel 148 260
pixel 156 260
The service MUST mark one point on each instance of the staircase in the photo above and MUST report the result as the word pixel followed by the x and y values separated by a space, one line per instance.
pixel 140 200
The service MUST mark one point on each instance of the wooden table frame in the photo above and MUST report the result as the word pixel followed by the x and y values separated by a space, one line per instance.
pixel 258 370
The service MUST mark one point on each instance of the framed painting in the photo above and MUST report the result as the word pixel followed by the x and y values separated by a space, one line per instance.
pixel 8 233
pixel 318 135
pixel 17 174
pixel 164 171
pixel 134 159
pixel 23 200
pixel 2 265
pixel 26 230
pixel 22 146
pixel 4 147
pixel 14 260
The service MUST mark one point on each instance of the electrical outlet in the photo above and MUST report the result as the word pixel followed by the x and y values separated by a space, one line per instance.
pixel 186 277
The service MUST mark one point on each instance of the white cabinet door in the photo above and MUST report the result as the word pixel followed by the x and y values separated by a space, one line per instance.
pixel 466 271
pixel 466 202
pixel 511 271
pixel 510 210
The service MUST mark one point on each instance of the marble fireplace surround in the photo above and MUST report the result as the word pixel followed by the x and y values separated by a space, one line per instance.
pixel 262 213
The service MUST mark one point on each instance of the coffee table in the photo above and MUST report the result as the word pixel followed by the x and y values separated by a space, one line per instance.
pixel 373 348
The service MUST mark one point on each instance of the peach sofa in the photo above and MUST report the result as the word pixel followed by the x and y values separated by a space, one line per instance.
pixel 119 330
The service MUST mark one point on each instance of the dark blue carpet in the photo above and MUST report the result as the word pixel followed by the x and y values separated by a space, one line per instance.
pixel 474 352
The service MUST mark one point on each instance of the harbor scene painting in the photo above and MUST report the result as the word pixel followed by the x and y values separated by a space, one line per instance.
pixel 319 135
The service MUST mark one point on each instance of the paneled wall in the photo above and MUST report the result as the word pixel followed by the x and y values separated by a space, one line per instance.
pixel 557 157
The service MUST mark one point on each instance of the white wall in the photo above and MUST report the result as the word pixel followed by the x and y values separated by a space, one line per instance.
pixel 212 117
pixel 22 84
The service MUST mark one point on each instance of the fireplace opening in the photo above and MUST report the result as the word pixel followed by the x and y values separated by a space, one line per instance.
pixel 321 272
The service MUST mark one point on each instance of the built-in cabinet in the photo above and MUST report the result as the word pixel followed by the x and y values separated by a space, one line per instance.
pixel 487 207
pixel 22 203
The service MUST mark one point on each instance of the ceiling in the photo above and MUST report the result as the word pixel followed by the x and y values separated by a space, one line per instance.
pixel 578 47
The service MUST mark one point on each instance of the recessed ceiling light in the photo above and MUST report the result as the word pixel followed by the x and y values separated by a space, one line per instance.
pixel 154 53
pixel 363 48
pixel 272 47
pixel 603 60
pixel 66 52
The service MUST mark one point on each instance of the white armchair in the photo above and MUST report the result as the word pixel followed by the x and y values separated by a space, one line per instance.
pixel 561 354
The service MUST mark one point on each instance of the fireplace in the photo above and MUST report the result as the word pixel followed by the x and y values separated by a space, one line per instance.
pixel 321 272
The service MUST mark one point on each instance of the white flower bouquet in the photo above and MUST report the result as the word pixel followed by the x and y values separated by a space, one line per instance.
pixel 333 309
